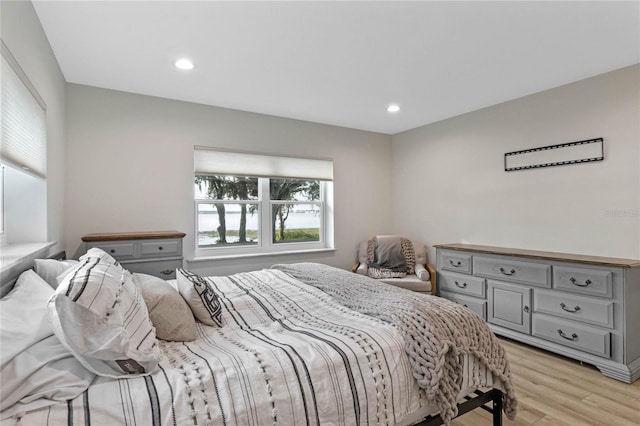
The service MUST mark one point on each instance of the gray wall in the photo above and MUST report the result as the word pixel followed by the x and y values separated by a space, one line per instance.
pixel 23 35
pixel 130 168
pixel 450 175
pixel 126 164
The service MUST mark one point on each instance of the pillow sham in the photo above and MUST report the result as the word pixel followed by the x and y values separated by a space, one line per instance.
pixel 52 270
pixel 200 297
pixel 168 311
pixel 23 315
pixel 99 314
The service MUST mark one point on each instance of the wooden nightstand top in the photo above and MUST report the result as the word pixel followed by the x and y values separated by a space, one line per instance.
pixel 124 236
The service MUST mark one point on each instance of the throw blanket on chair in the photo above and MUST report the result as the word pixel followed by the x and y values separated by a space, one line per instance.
pixel 389 256
pixel 437 332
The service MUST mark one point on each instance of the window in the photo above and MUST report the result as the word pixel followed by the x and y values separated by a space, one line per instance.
pixel 268 205
pixel 22 156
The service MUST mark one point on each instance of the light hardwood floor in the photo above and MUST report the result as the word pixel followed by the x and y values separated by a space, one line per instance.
pixel 553 390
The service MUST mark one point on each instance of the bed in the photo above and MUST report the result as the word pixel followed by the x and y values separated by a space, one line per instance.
pixel 299 344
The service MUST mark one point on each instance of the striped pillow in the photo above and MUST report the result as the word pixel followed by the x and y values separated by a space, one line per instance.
pixel 200 297
pixel 99 254
pixel 99 314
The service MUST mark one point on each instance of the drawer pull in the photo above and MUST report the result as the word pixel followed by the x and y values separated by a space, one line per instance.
pixel 160 248
pixel 508 273
pixel 575 282
pixel 564 308
pixel 463 285
pixel 167 272
pixel 574 336
pixel 455 264
pixel 112 251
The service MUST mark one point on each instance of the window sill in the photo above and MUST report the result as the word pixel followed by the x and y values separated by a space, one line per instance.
pixel 259 255
pixel 15 254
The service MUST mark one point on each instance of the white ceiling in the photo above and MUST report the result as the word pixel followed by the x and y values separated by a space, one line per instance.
pixel 341 63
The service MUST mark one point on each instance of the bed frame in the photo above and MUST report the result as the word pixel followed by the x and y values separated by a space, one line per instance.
pixel 472 402
pixel 477 399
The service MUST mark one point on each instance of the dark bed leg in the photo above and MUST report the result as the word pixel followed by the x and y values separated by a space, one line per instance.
pixel 497 409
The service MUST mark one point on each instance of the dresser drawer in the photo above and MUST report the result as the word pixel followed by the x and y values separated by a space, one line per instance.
pixel 584 309
pixel 536 274
pixel 574 335
pixel 119 250
pixel 160 248
pixel 596 282
pixel 459 283
pixel 165 269
pixel 479 307
pixel 458 262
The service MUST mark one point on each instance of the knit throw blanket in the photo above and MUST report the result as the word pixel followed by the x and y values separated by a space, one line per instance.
pixel 437 332
pixel 389 256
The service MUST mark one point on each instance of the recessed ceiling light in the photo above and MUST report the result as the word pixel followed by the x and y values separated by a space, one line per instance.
pixel 393 108
pixel 184 64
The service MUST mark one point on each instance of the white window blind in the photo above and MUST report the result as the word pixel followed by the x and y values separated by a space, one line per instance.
pixel 23 119
pixel 220 162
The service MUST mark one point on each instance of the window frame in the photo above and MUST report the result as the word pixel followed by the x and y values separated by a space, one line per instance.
pixel 266 243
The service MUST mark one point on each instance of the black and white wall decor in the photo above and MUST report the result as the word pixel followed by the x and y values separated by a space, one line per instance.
pixel 555 155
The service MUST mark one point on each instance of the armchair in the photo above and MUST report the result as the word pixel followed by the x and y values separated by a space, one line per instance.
pixel 423 280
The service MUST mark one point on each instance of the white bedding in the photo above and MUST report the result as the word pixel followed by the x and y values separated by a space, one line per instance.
pixel 287 354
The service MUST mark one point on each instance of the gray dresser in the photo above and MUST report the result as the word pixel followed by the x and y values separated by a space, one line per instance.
pixel 153 253
pixel 582 307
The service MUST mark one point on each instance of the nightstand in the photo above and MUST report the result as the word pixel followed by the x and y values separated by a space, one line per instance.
pixel 153 253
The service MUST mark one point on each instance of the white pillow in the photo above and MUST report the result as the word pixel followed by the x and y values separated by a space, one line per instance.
pixel 52 270
pixel 44 374
pixel 23 315
pixel 98 253
pixel 99 314
pixel 200 297
pixel 422 272
pixel 362 269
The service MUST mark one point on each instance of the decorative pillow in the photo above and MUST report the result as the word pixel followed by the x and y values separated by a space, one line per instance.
pixel 422 272
pixel 200 297
pixel 99 314
pixel 23 315
pixel 98 253
pixel 52 270
pixel 168 311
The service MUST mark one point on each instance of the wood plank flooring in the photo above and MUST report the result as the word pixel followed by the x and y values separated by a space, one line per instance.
pixel 553 390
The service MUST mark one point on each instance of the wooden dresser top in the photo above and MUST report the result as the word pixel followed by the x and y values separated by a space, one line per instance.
pixel 544 255
pixel 123 236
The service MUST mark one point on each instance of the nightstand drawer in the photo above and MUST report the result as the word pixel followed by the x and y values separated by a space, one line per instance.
pixel 573 307
pixel 578 336
pixel 537 274
pixel 119 251
pixel 478 306
pixel 164 269
pixel 458 283
pixel 458 262
pixel 596 282
pixel 160 248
